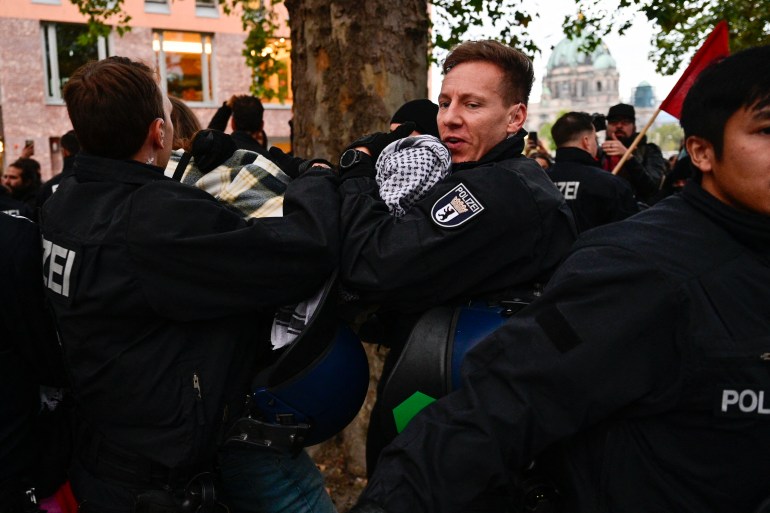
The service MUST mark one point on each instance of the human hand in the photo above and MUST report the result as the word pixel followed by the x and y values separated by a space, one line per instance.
pixel 613 147
pixel 288 163
pixel 373 144
pixel 294 166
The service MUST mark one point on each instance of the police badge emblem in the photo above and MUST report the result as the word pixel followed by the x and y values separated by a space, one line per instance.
pixel 455 207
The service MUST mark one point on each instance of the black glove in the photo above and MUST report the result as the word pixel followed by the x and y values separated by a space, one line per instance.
pixel 210 148
pixel 367 507
pixel 288 164
pixel 293 166
pixel 377 141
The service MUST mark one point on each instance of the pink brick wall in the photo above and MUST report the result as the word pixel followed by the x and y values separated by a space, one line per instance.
pixel 25 114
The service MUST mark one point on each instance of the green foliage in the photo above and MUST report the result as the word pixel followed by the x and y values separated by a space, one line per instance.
pixel 682 25
pixel 259 22
pixel 669 136
pixel 261 25
pixel 99 13
pixel 503 20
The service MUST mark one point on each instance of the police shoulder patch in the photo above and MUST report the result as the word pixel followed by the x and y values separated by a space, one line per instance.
pixel 455 207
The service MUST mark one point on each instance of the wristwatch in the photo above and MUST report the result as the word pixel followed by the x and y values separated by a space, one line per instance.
pixel 350 158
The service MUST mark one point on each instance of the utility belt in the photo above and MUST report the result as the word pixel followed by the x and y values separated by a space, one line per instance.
pixel 161 489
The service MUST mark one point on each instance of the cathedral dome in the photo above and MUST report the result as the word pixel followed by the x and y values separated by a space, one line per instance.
pixel 568 54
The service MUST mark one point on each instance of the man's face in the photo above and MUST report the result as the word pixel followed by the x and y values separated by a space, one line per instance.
pixel 12 179
pixel 473 117
pixel 741 177
pixel 620 128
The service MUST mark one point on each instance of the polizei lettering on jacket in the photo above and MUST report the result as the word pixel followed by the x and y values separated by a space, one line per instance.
pixel 741 402
pixel 568 189
pixel 58 266
pixel 455 207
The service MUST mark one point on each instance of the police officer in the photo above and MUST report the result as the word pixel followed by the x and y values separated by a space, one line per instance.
pixel 495 228
pixel 164 298
pixel 595 196
pixel 29 357
pixel 639 380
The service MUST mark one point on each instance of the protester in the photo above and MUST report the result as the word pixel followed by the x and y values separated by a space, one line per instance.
pixel 69 148
pixel 164 306
pixel 186 124
pixel 22 178
pixel 646 166
pixel 544 160
pixel 636 382
pixel 247 122
pixel 496 226
pixel 595 196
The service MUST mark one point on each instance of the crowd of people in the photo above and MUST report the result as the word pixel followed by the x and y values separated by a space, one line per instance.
pixel 617 355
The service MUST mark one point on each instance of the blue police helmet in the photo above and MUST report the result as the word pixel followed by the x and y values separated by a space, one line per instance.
pixel 433 354
pixel 313 390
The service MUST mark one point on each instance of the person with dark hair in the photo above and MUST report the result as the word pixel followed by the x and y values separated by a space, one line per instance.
pixel 69 148
pixel 186 124
pixel 495 228
pixel 646 167
pixel 164 298
pixel 595 196
pixel 638 380
pixel 247 122
pixel 22 179
pixel 543 160
pixel 422 112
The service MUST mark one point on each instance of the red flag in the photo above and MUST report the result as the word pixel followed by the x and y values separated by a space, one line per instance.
pixel 716 46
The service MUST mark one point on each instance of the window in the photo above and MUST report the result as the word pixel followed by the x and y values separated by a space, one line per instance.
pixel 206 8
pixel 63 55
pixel 184 62
pixel 156 6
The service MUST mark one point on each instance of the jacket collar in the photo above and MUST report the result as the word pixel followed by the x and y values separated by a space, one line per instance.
pixel 750 229
pixel 572 154
pixel 507 149
pixel 90 168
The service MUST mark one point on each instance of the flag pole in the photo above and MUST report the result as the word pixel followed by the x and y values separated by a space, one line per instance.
pixel 633 146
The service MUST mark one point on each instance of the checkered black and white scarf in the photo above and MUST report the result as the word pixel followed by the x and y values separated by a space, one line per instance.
pixel 408 168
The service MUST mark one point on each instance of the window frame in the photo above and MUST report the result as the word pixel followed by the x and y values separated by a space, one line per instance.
pixel 52 79
pixel 207 72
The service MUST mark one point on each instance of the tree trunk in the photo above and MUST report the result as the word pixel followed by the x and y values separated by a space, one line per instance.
pixel 353 64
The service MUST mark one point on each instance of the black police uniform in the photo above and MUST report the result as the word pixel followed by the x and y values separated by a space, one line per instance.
pixel 595 196
pixel 29 357
pixel 493 229
pixel 639 379
pixel 510 230
pixel 159 291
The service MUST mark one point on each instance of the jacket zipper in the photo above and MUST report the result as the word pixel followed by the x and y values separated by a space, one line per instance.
pixel 198 399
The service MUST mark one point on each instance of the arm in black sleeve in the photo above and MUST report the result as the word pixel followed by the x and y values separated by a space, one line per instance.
pixel 601 338
pixel 26 324
pixel 197 259
pixel 413 261
pixel 625 204
pixel 645 172
pixel 221 117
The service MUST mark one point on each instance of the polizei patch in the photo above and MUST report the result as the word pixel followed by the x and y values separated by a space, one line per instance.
pixel 455 207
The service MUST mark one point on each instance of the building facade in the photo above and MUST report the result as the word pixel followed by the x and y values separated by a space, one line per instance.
pixel 575 81
pixel 196 48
